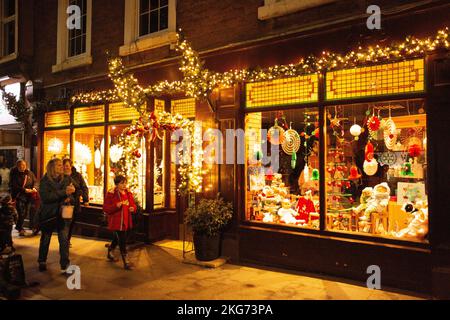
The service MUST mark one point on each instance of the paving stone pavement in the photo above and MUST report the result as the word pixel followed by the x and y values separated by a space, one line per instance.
pixel 161 275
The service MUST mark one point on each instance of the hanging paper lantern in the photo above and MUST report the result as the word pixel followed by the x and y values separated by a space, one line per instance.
pixel 82 154
pixel 315 175
pixel 370 167
pixel 115 153
pixel 414 150
pixel 97 159
pixel 55 146
pixel 373 123
pixel 291 142
pixel 369 151
pixel 294 160
pixel 355 130
pixel 390 134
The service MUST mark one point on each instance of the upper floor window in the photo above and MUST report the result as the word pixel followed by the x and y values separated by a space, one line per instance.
pixel 153 16
pixel 74 34
pixel 148 24
pixel 77 37
pixel 8 10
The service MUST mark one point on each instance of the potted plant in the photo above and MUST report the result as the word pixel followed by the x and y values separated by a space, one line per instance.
pixel 207 220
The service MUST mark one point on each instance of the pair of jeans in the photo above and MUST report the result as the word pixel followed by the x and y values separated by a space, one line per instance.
pixel 119 238
pixel 23 210
pixel 44 245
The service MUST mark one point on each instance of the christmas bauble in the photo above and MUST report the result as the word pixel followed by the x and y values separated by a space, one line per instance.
pixel 355 130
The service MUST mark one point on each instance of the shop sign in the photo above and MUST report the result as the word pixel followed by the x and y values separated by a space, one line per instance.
pixel 88 115
pixel 57 119
pixel 286 91
pixel 379 80
pixel 118 112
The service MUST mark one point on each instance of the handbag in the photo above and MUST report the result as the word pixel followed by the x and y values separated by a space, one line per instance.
pixel 67 211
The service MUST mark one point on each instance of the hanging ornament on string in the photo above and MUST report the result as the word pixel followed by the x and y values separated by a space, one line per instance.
pixel 257 152
pixel 355 130
pixel 354 173
pixel 306 172
pixel 414 150
pixel 373 124
pixel 315 175
pixel 294 160
pixel 390 132
pixel 275 135
pixel 291 143
pixel 370 165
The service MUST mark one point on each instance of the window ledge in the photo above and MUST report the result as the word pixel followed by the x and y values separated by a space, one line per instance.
pixel 273 9
pixel 149 42
pixel 74 62
pixel 8 58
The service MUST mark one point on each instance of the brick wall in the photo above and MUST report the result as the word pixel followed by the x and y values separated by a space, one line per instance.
pixel 207 24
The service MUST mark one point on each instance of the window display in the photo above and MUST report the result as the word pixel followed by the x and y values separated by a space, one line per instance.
pixel 88 158
pixel 376 169
pixel 283 188
pixel 56 145
pixel 115 154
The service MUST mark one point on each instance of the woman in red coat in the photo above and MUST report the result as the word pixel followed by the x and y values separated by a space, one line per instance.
pixel 119 205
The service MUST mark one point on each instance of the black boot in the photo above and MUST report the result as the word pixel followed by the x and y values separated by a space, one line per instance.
pixel 126 263
pixel 111 256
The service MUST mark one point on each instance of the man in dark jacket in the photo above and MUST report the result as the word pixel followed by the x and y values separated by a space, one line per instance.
pixel 23 187
pixel 81 191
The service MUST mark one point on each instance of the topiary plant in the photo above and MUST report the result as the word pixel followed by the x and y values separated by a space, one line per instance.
pixel 209 216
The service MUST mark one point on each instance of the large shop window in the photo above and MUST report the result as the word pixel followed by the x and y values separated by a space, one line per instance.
pixel 89 159
pixel 376 165
pixel 282 165
pixel 116 152
pixel 56 145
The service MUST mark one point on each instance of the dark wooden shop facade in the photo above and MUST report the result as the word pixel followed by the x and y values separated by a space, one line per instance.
pixel 410 265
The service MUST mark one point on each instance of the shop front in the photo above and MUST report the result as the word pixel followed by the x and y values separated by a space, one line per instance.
pixel 91 137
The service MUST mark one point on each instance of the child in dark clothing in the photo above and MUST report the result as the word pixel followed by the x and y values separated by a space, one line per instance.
pixel 8 217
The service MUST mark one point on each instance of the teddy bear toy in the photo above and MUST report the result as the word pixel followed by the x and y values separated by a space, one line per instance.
pixel 418 227
pixel 287 214
pixel 378 202
pixel 365 196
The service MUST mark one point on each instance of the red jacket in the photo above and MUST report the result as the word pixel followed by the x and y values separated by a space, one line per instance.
pixel 119 219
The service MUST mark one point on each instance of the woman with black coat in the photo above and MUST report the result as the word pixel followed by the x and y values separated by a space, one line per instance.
pixel 23 185
pixel 55 190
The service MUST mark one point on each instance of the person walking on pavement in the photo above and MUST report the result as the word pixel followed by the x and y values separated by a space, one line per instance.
pixel 55 190
pixel 23 184
pixel 81 192
pixel 119 205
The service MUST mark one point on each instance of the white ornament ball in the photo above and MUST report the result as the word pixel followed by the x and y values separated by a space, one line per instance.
pixel 370 167
pixel 355 130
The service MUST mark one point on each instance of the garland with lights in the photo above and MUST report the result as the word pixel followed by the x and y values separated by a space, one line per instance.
pixel 150 126
pixel 199 81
